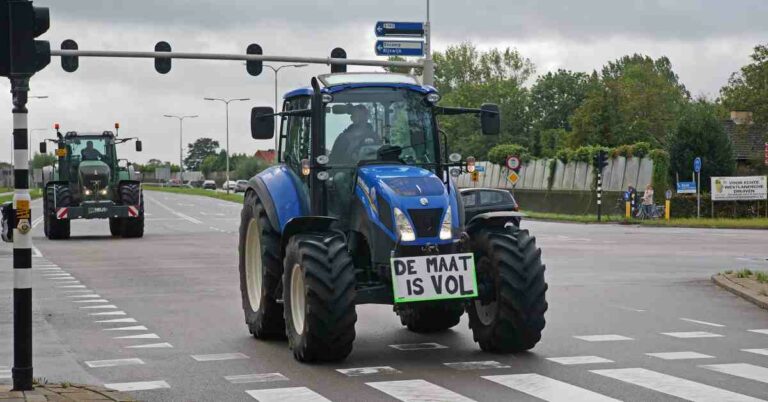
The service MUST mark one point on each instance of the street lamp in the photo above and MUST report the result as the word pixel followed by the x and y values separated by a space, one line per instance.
pixel 226 107
pixel 181 141
pixel 276 70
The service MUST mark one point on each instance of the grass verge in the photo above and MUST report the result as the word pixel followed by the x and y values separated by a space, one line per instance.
pixel 719 223
pixel 197 191
pixel 34 193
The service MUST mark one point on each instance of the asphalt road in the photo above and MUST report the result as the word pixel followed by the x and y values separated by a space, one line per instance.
pixel 617 295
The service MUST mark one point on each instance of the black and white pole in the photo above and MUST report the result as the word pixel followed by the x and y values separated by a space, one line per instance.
pixel 22 242
pixel 599 194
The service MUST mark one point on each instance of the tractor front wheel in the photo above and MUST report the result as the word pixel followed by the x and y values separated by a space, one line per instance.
pixel 319 294
pixel 430 316
pixel 130 194
pixel 510 317
pixel 260 271
pixel 115 226
pixel 56 197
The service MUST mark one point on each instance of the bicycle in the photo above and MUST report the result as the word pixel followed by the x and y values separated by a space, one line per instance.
pixel 656 212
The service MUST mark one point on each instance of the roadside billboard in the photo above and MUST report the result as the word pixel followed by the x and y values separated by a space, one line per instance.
pixel 739 188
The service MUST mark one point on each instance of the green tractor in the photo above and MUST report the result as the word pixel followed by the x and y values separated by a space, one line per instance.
pixel 88 183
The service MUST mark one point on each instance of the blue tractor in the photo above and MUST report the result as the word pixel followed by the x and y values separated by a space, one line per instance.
pixel 363 208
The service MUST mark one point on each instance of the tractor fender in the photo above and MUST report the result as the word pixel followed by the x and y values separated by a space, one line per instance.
pixel 121 182
pixel 305 224
pixel 281 193
pixel 493 219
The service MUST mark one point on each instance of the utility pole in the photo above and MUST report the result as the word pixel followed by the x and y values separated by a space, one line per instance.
pixel 226 107
pixel 181 141
pixel 428 75
pixel 276 70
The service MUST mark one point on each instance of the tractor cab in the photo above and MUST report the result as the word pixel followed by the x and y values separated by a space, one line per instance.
pixel 362 208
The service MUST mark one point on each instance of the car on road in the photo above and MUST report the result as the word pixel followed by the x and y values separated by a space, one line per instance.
pixel 209 185
pixel 241 186
pixel 173 183
pixel 230 185
pixel 481 200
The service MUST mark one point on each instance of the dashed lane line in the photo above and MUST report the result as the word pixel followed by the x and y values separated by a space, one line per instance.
pixel 219 357
pixel 255 378
pixel 91 301
pixel 139 336
pixel 743 370
pixel 763 352
pixel 418 346
pixel 113 363
pixel 603 338
pixel 102 307
pixel 131 328
pixel 109 313
pixel 680 355
pixel 138 386
pixel 478 365
pixel 361 371
pixel 575 360
pixel 179 214
pixel 117 320
pixel 693 334
pixel 711 324
pixel 759 331
pixel 548 389
pixel 293 394
pixel 161 345
pixel 417 391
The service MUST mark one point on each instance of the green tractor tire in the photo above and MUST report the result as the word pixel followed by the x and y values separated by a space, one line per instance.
pixel 56 197
pixel 115 226
pixel 131 194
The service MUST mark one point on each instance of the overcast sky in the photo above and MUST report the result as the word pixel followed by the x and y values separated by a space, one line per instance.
pixel 706 40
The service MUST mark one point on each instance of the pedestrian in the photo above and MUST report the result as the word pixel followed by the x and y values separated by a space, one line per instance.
pixel 648 201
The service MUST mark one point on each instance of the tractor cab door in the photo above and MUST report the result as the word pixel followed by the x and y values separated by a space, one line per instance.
pixel 295 137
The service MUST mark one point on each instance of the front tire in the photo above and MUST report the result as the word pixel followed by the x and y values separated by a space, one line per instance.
pixel 319 294
pixel 430 316
pixel 131 194
pixel 115 226
pixel 511 317
pixel 58 196
pixel 260 271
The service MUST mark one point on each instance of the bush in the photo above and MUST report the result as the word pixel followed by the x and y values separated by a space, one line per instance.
pixel 583 154
pixel 641 149
pixel 565 155
pixel 660 175
pixel 499 153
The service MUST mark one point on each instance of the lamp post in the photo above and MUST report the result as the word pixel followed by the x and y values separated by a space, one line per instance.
pixel 226 107
pixel 181 141
pixel 276 70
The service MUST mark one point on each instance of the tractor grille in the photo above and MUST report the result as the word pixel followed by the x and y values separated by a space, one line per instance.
pixel 426 221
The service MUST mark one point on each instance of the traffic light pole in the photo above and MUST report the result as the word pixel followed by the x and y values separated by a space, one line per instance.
pixel 22 242
pixel 599 193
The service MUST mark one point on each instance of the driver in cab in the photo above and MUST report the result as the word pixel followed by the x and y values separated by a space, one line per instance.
pixel 360 133
pixel 89 153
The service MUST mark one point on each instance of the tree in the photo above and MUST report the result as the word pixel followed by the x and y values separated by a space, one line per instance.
pixel 636 99
pixel 197 151
pixel 40 160
pixel 554 98
pixel 700 133
pixel 747 89
pixel 248 167
pixel 464 64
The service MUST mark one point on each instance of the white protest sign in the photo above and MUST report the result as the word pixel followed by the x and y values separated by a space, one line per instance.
pixel 434 277
pixel 739 188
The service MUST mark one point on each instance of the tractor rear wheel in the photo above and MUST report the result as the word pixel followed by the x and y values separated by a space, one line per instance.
pixel 260 271
pixel 130 194
pixel 57 196
pixel 511 317
pixel 430 316
pixel 115 226
pixel 319 294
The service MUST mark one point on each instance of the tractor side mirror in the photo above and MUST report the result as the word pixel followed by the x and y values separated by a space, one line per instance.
pixel 138 145
pixel 489 119
pixel 262 123
pixel 43 148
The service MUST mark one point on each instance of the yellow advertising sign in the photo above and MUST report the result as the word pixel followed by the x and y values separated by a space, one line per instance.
pixel 474 176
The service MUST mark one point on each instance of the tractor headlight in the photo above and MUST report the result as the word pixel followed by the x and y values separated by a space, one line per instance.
pixel 445 227
pixel 404 227
pixel 103 191
pixel 87 192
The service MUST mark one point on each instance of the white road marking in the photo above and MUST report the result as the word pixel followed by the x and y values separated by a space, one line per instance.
pixel 743 370
pixel 573 360
pixel 680 355
pixel 251 378
pixel 139 336
pixel 418 346
pixel 92 296
pixel 603 338
pixel 694 334
pixel 91 301
pixel 711 324
pixel 72 287
pixel 151 346
pixel 293 394
pixel 78 291
pixel 547 388
pixel 52 268
pixel 117 320
pixel 480 365
pixel 133 328
pixel 109 313
pixel 35 251
pixel 68 283
pixel 182 204
pixel 113 363
pixel 35 223
pixel 417 391
pixel 763 352
pixel 5 373
pixel 637 310
pixel 56 275
pixel 179 214
pixel 102 307
pixel 675 386
pixel 759 331
pixel 138 386
pixel 219 356
pixel 360 371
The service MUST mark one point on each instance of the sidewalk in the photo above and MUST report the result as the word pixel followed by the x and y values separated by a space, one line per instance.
pixel 62 392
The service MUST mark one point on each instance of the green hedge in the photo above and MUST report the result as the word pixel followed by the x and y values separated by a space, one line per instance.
pixel 499 153
pixel 684 206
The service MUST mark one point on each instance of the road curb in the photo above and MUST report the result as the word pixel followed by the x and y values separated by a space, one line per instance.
pixel 741 291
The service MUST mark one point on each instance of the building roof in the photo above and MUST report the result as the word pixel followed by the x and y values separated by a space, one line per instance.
pixel 748 140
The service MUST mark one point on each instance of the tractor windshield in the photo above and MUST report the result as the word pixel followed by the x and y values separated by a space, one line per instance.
pixel 359 122
pixel 88 149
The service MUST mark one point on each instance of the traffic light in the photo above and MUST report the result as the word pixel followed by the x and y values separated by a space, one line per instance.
pixel 254 67
pixel 69 63
pixel 162 65
pixel 601 160
pixel 5 51
pixel 338 53
pixel 27 55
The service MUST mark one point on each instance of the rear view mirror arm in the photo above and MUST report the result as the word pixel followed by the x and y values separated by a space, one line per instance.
pixel 298 112
pixel 450 111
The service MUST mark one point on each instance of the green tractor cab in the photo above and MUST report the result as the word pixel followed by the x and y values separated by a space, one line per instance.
pixel 88 183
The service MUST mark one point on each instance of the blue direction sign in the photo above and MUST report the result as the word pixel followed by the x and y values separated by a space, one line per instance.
pixel 697 165
pixel 402 29
pixel 399 48
pixel 686 187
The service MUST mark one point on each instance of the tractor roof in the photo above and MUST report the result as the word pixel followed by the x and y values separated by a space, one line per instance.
pixel 73 134
pixel 332 83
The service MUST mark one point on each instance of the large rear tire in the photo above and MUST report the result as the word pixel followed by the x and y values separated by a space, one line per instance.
pixel 58 196
pixel 319 294
pixel 115 226
pixel 430 316
pixel 511 317
pixel 260 271
pixel 130 194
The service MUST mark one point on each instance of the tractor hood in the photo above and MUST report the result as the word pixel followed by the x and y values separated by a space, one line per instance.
pixel 420 195
pixel 94 175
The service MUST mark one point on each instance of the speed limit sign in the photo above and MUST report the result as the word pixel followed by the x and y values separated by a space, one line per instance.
pixel 513 163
